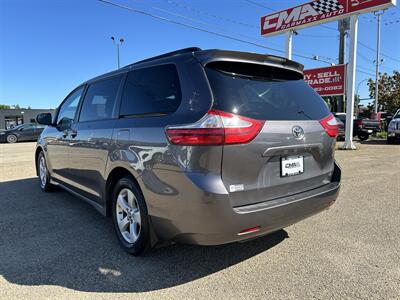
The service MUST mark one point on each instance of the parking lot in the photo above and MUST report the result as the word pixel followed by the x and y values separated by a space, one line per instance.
pixel 56 246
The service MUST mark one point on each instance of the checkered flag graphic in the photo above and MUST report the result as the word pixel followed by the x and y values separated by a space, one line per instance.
pixel 325 6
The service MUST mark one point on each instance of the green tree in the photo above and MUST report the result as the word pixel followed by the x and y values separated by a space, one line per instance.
pixel 389 91
pixel 5 106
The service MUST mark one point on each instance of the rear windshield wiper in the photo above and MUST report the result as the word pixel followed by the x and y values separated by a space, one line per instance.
pixel 301 112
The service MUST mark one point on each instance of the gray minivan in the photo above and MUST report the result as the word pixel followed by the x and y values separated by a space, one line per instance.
pixel 194 146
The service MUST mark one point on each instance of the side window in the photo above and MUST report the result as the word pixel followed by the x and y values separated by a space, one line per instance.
pixel 153 90
pixel 67 111
pixel 27 127
pixel 99 102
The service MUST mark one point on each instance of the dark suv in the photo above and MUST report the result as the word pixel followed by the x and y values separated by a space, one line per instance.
pixel 195 146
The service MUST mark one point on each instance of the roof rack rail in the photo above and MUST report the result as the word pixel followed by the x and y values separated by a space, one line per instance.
pixel 173 53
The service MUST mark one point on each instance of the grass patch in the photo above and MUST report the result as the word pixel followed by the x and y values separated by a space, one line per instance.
pixel 381 135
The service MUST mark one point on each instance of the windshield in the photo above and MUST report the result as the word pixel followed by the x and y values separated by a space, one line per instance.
pixel 265 98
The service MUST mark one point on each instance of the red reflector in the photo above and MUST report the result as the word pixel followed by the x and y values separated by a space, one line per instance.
pixel 196 136
pixel 330 125
pixel 249 230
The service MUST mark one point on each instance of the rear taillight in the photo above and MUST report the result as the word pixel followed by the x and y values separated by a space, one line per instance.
pixel 216 128
pixel 330 125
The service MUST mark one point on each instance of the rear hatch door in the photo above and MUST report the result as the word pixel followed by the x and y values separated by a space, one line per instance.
pixel 292 153
pixel 369 124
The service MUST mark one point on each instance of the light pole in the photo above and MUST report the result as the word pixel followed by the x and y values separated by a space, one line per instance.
pixel 378 45
pixel 358 86
pixel 289 43
pixel 121 40
pixel 316 57
pixel 358 95
pixel 343 27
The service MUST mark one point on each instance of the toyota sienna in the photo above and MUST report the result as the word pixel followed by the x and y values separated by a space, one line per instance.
pixel 194 146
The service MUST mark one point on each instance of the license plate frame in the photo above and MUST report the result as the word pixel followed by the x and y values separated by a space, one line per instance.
pixel 295 167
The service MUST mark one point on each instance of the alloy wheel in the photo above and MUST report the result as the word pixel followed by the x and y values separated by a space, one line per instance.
pixel 128 215
pixel 42 171
pixel 11 138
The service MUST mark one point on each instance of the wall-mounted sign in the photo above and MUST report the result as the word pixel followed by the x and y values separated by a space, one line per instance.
pixel 327 81
pixel 317 12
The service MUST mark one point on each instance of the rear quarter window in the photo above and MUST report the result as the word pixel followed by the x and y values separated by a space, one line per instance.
pixel 151 91
pixel 265 94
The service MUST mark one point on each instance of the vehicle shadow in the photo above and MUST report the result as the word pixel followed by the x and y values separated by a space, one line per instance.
pixel 374 142
pixel 56 239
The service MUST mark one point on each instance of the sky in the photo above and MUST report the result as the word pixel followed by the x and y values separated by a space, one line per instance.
pixel 48 47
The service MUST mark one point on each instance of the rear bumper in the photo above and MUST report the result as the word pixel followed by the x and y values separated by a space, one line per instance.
pixel 368 130
pixel 213 221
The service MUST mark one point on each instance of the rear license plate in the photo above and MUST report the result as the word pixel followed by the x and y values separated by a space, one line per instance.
pixel 292 165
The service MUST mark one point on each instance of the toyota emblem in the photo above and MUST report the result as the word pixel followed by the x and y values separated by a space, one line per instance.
pixel 298 132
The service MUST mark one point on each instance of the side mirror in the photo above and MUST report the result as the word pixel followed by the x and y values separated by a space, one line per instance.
pixel 44 119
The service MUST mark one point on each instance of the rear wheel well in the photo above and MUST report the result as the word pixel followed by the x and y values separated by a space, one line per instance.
pixel 115 175
pixel 112 179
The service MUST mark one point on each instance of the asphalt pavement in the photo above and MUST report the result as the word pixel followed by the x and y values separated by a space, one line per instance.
pixel 54 246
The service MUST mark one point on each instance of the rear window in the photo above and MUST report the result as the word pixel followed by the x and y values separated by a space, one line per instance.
pixel 267 95
pixel 151 91
pixel 341 117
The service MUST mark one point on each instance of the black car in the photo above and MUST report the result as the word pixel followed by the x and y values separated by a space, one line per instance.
pixel 362 127
pixel 341 130
pixel 24 132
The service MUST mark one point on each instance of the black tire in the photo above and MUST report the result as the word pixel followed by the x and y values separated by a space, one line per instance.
pixel 45 185
pixel 142 243
pixel 390 140
pixel 12 139
pixel 363 136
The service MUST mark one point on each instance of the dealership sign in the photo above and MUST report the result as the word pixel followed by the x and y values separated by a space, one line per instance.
pixel 327 81
pixel 317 12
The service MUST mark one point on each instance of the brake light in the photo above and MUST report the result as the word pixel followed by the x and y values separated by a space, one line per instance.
pixel 330 125
pixel 216 128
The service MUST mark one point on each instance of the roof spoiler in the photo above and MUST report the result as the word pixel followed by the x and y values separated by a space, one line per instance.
pixel 208 56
